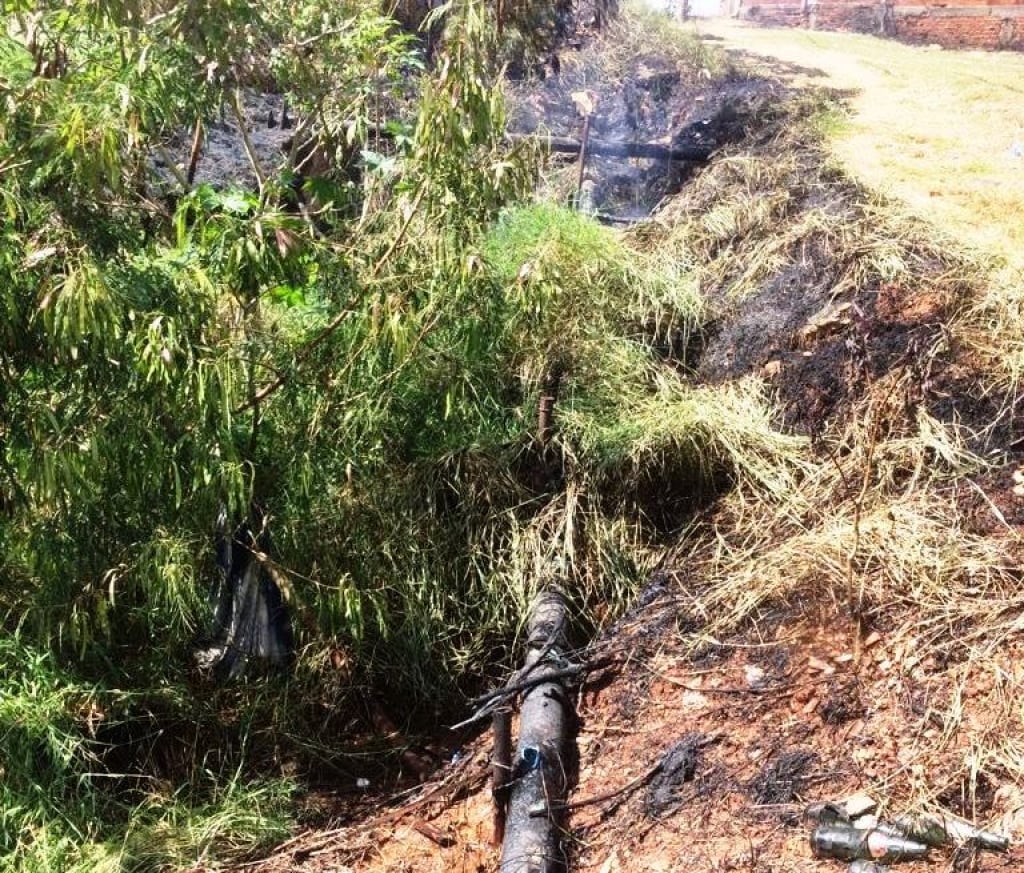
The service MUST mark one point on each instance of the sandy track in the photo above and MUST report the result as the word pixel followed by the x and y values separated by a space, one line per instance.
pixel 942 131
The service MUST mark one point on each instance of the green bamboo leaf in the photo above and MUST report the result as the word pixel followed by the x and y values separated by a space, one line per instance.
pixel 237 202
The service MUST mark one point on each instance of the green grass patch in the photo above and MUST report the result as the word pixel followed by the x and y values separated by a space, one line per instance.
pixel 57 810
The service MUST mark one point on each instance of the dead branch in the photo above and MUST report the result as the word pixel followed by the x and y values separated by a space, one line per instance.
pixel 515 685
pixel 422 766
pixel 197 147
pixel 655 151
pixel 235 104
pixel 172 167
pixel 501 768
pixel 632 785
pixel 436 835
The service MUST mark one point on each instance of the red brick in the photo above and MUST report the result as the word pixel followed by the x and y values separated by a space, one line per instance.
pixel 958 23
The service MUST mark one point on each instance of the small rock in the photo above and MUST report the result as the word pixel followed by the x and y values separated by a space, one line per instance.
pixel 820 665
pixel 754 676
pixel 694 700
pixel 860 804
pixel 826 813
pixel 1010 799
pixel 863 866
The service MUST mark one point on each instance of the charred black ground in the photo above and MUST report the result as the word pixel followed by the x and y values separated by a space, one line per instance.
pixel 649 101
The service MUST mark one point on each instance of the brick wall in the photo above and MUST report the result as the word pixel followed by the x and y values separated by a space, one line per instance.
pixel 958 23
pixel 995 25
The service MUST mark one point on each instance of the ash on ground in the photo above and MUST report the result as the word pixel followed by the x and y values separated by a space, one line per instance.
pixel 223 160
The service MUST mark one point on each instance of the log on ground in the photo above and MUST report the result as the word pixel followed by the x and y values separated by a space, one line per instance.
pixel 655 151
pixel 532 843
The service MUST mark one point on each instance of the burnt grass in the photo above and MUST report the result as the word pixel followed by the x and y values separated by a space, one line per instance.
pixel 651 101
pixel 822 341
pixel 819 364
pixel 822 325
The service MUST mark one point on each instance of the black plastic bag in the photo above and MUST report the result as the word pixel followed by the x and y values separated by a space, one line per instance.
pixel 250 617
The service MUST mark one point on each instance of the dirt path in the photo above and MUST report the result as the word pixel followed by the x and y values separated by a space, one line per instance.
pixel 942 131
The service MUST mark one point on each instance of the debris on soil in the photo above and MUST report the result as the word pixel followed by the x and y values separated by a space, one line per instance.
pixel 849 843
pixel 223 161
pixel 650 98
pixel 848 830
pixel 679 765
pixel 842 702
pixel 784 779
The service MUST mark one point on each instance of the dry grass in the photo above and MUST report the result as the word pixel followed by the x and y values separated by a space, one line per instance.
pixel 940 131
pixel 934 129
pixel 869 526
pixel 876 535
pixel 868 535
pixel 643 33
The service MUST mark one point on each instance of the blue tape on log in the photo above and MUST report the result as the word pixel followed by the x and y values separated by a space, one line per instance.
pixel 532 758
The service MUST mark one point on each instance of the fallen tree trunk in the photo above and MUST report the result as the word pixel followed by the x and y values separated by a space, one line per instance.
pixel 538 778
pixel 567 145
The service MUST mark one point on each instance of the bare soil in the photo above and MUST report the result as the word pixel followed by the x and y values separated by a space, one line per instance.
pixel 791 711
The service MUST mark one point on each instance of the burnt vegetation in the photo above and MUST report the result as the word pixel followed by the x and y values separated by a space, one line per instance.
pixel 295 261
